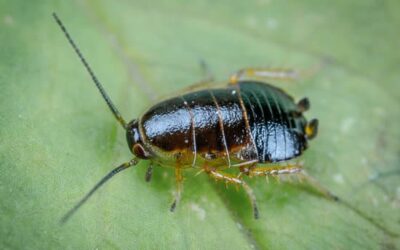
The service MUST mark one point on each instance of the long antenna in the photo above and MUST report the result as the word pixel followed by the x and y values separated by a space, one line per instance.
pixel 113 172
pixel 110 104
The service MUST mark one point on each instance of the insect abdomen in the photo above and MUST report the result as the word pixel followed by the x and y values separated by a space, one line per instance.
pixel 249 121
pixel 277 127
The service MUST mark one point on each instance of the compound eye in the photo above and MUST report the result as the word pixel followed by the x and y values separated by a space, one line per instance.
pixel 139 151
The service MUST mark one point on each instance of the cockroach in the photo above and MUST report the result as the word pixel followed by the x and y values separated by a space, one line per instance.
pixel 247 124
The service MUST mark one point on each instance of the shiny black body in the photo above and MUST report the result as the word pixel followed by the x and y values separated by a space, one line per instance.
pixel 240 125
pixel 247 121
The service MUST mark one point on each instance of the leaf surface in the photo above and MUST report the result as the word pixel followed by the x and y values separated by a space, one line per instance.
pixel 58 138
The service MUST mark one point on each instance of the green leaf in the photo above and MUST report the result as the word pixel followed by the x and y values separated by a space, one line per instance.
pixel 58 137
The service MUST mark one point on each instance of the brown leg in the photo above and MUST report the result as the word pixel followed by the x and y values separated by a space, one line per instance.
pixel 233 180
pixel 264 73
pixel 179 187
pixel 292 169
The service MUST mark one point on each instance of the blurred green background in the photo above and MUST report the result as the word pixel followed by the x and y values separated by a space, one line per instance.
pixel 57 137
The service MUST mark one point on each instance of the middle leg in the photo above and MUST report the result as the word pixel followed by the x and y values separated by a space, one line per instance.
pixel 207 80
pixel 179 187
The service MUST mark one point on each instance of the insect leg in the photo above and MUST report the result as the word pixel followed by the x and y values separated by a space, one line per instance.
pixel 179 187
pixel 264 74
pixel 233 180
pixel 203 84
pixel 293 169
pixel 315 184
pixel 208 76
pixel 275 170
pixel 207 80
pixel 149 173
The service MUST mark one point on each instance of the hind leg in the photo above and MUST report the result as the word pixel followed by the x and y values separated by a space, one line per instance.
pixel 281 74
pixel 234 180
pixel 318 186
pixel 264 74
pixel 297 169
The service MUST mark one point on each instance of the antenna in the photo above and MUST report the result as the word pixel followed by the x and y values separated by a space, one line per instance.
pixel 110 104
pixel 113 172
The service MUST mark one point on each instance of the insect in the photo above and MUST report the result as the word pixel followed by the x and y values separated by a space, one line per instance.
pixel 248 125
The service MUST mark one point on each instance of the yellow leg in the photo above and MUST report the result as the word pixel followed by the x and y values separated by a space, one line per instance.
pixel 234 180
pixel 275 170
pixel 179 187
pixel 292 169
pixel 264 74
